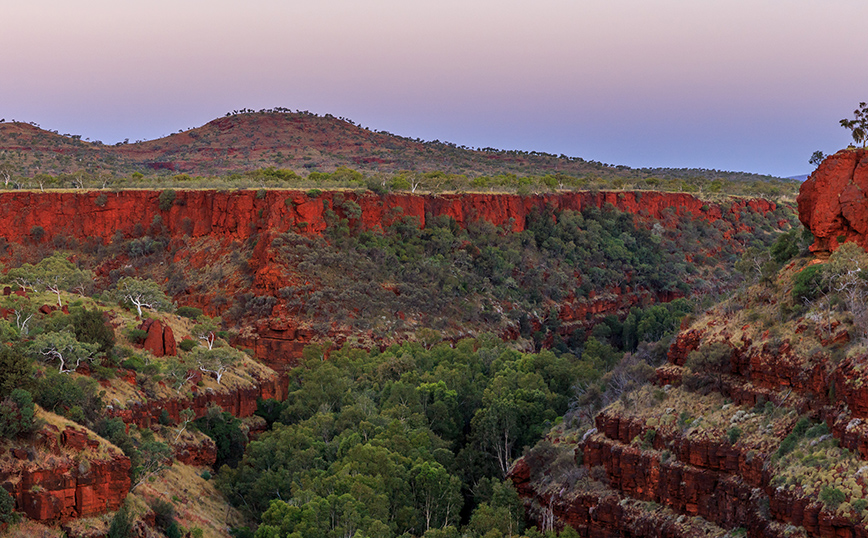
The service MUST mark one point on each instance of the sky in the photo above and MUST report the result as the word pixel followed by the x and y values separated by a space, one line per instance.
pixel 742 85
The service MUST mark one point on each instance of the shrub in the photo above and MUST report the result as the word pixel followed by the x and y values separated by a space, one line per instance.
pixel 173 531
pixel 7 506
pixel 225 431
pixel 165 419
pixel 76 398
pixel 115 431
pixel 648 439
pixel 818 430
pixel 832 497
pixel 122 524
pixel 808 284
pixel 708 365
pixel 90 327
pixel 790 441
pixel 190 312
pixel 16 368
pixel 137 336
pixel 314 193
pixel 786 246
pixel 733 434
pixel 134 363
pixel 166 199
pixel 187 344
pixel 101 200
pixel 37 233
pixel 164 513
pixel 16 414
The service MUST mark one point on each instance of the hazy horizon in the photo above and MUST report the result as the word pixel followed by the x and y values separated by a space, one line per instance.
pixel 745 86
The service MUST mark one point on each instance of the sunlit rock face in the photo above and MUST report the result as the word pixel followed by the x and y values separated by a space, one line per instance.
pixel 833 202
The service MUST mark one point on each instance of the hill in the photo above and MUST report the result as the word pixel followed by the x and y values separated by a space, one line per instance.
pixel 301 142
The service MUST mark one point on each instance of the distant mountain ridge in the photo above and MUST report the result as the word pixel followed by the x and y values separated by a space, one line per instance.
pixel 298 141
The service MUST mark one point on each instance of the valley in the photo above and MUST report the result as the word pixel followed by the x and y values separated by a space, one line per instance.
pixel 318 361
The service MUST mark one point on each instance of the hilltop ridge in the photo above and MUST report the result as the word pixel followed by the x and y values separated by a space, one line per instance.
pixel 299 141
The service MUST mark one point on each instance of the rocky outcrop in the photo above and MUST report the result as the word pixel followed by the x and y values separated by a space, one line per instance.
pixel 833 202
pixel 602 514
pixel 61 488
pixel 724 483
pixel 239 402
pixel 160 339
pixel 279 342
pixel 200 452
pixel 706 453
pixel 723 498
pixel 684 344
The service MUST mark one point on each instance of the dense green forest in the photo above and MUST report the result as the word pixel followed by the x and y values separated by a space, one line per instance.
pixel 418 440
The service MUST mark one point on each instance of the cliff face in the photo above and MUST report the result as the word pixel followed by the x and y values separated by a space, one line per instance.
pixel 227 219
pixel 29 216
pixel 833 202
pixel 59 488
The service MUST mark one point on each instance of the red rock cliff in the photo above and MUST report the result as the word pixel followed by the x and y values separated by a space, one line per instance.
pixel 833 202
pixel 32 216
pixel 61 489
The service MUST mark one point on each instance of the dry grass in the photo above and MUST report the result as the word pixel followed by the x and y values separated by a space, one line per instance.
pixel 31 529
pixel 43 459
pixel 709 416
pixel 196 500
pixel 758 313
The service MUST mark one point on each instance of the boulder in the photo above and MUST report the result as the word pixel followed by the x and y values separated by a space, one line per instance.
pixel 833 202
pixel 160 340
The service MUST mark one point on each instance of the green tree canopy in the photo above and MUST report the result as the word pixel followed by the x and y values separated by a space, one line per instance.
pixel 142 293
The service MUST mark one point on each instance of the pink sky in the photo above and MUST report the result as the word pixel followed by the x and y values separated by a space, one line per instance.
pixel 739 85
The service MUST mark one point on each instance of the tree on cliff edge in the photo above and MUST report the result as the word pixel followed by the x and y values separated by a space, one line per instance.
pixel 859 126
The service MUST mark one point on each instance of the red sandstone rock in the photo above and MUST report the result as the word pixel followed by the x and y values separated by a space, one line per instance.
pixel 198 454
pixel 67 491
pixel 160 340
pixel 74 439
pixel 833 202
pixel 684 343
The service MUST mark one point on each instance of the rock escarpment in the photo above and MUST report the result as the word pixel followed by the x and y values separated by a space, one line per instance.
pixel 30 216
pixel 52 482
pixel 229 220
